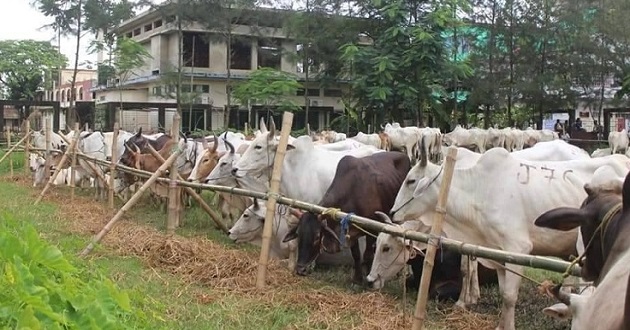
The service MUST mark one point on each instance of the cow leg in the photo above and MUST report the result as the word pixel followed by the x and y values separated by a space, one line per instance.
pixel 509 284
pixel 368 253
pixel 292 254
pixel 470 292
pixel 356 256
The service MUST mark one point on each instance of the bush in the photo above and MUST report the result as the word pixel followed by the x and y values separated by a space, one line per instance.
pixel 41 289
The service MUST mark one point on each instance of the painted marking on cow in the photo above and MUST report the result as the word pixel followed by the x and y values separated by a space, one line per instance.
pixel 564 175
pixel 518 175
pixel 551 170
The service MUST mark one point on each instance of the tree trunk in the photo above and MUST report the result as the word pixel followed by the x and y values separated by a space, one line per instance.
pixel 180 41
pixel 71 114
pixel 511 84
pixel 228 80
pixel 305 47
pixel 486 115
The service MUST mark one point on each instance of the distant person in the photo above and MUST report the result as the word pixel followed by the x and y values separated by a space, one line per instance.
pixel 558 127
pixel 578 124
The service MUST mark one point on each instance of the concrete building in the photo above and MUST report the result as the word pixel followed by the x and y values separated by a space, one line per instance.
pixel 205 68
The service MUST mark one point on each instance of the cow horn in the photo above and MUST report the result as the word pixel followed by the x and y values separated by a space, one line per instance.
pixel 182 135
pixel 272 130
pixel 137 148
pixel 330 231
pixel 139 134
pixel 225 135
pixel 386 219
pixel 204 143
pixel 255 205
pixel 229 145
pixel 560 295
pixel 216 143
pixel 263 127
pixel 423 153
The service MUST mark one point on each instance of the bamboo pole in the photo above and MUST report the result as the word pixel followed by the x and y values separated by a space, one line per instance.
pixel 287 121
pixel 436 231
pixel 212 213
pixel 47 126
pixel 112 168
pixel 73 166
pixel 58 168
pixel 12 149
pixel 26 139
pixel 172 219
pixel 98 173
pixel 132 201
pixel 551 264
pixel 9 146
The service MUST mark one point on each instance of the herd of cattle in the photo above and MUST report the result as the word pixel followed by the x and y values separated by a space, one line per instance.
pixel 524 191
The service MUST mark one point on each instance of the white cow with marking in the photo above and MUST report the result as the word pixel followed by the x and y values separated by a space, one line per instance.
pixel 504 187
pixel 618 141
pixel 369 139
pixel 403 138
pixel 307 170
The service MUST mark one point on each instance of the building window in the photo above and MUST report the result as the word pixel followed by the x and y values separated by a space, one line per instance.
pixel 196 50
pixel 68 95
pixel 136 32
pixel 148 27
pixel 129 35
pixel 269 53
pixel 314 64
pixel 80 93
pixel 332 92
pixel 196 88
pixel 157 90
pixel 311 92
pixel 157 24
pixel 584 114
pixel 241 54
pixel 63 95
pixel 57 96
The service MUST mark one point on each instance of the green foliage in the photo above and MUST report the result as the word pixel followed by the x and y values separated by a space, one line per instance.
pixel 25 66
pixel 270 88
pixel 128 55
pixel 42 290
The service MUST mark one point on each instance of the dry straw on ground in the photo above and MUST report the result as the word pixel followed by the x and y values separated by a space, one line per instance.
pixel 233 272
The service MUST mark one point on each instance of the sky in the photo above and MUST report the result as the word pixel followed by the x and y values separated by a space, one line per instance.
pixel 20 20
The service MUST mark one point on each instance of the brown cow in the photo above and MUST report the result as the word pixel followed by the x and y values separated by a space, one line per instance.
pixel 362 186
pixel 604 221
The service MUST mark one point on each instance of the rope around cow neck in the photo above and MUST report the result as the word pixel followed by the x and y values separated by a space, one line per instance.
pixel 603 226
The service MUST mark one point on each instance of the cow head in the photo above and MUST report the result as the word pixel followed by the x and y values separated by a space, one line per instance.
pixel 259 155
pixel 596 214
pixel 250 225
pixel 417 195
pixel 313 235
pixel 208 161
pixel 392 253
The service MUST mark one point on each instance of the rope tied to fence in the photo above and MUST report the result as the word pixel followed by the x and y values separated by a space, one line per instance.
pixel 602 230
pixel 345 226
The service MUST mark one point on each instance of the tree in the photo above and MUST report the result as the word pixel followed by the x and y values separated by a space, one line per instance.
pixel 273 89
pixel 67 15
pixel 128 56
pixel 25 66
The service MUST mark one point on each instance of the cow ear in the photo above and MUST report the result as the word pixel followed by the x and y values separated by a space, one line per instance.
pixel 562 218
pixel 291 235
pixel 290 147
pixel 558 311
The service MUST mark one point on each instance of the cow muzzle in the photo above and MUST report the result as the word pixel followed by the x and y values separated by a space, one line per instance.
pixel 374 282
pixel 301 270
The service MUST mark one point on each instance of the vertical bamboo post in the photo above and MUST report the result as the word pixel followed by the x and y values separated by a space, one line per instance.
pixel 287 121
pixel 48 128
pixel 58 168
pixel 73 166
pixel 436 230
pixel 132 201
pixel 27 147
pixel 173 205
pixel 8 132
pixel 112 167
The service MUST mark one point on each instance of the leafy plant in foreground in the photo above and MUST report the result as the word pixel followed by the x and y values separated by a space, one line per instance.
pixel 41 289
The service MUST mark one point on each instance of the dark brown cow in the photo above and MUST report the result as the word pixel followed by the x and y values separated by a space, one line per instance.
pixel 362 186
pixel 604 221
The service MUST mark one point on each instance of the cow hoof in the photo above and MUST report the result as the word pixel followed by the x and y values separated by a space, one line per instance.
pixel 461 305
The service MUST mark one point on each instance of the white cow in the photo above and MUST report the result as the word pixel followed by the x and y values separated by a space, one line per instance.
pixel 505 188
pixel 403 138
pixel 618 141
pixel 120 147
pixel 92 144
pixel 249 227
pixel 474 138
pixel 370 139
pixel 307 170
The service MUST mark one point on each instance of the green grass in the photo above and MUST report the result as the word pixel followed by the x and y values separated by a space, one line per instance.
pixel 172 304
